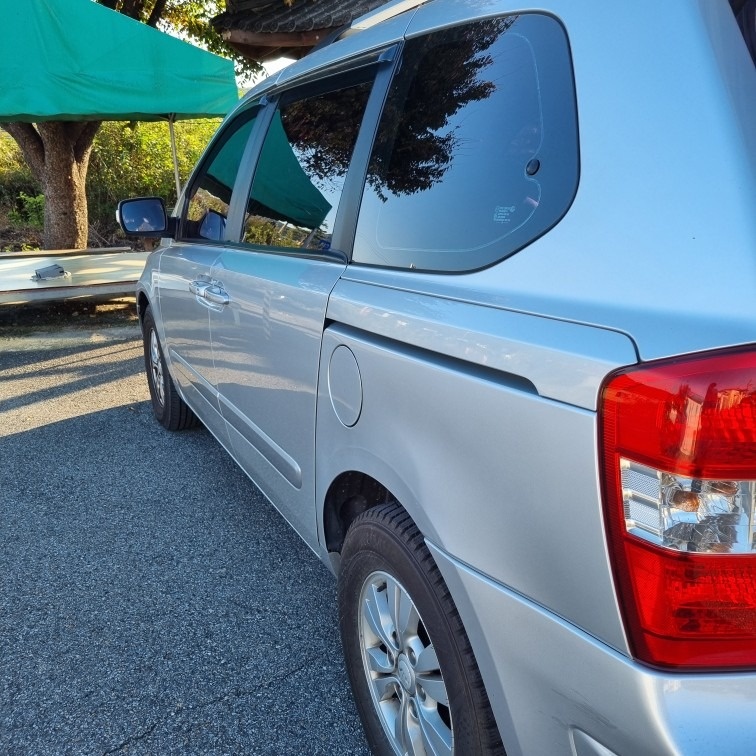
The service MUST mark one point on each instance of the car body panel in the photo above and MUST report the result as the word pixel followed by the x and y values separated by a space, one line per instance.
pixel 471 397
pixel 185 325
pixel 521 346
pixel 266 344
pixel 486 439
pixel 558 690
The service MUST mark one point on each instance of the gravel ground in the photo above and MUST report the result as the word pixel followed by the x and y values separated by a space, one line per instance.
pixel 151 601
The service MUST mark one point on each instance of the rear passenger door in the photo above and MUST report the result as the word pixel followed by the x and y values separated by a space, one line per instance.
pixel 276 281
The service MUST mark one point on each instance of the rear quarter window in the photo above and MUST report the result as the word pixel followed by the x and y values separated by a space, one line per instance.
pixel 476 152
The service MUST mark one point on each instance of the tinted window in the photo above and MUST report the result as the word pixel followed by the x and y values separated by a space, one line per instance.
pixel 745 12
pixel 206 210
pixel 300 174
pixel 476 152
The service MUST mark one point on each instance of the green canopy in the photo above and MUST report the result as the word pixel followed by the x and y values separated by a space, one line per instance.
pixel 74 60
pixel 281 188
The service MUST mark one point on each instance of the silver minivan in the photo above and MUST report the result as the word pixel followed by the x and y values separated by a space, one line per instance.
pixel 470 294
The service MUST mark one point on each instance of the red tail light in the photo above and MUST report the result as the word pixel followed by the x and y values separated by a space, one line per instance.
pixel 679 475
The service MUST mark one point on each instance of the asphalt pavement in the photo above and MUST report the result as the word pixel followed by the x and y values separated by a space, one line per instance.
pixel 151 600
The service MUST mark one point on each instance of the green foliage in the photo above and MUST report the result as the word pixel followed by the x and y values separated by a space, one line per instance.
pixel 128 160
pixel 17 183
pixel 15 175
pixel 191 18
pixel 134 160
pixel 270 233
pixel 20 248
pixel 28 212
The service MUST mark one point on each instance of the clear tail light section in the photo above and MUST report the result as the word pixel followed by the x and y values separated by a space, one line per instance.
pixel 678 440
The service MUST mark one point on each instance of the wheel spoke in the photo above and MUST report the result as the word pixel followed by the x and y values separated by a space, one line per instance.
pixel 379 661
pixel 376 613
pixel 407 618
pixel 434 688
pixel 402 734
pixel 427 661
pixel 436 736
pixel 385 687
pixel 394 595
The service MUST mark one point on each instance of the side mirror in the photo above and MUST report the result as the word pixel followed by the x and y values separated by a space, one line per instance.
pixel 143 216
pixel 213 225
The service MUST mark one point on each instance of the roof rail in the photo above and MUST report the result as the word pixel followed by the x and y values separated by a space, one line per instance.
pixel 384 12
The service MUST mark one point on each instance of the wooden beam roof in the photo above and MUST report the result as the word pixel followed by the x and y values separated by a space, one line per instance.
pixel 265 29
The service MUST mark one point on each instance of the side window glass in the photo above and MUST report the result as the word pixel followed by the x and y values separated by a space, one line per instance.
pixel 302 167
pixel 206 210
pixel 476 153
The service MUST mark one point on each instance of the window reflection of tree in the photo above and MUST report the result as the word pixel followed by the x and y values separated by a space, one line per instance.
pixel 323 131
pixel 441 74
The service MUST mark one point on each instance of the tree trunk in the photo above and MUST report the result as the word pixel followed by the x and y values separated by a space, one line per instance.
pixel 58 154
pixel 157 13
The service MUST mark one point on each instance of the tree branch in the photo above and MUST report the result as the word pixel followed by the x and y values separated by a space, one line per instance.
pixel 30 143
pixel 85 138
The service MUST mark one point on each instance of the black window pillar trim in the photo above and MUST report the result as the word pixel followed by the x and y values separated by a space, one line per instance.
pixel 245 174
pixel 351 196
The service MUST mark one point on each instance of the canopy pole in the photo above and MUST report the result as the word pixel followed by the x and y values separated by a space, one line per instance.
pixel 171 119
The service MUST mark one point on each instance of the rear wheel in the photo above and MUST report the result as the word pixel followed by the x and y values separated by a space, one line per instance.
pixel 169 408
pixel 413 673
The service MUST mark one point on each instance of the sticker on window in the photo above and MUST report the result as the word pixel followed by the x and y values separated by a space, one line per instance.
pixel 503 214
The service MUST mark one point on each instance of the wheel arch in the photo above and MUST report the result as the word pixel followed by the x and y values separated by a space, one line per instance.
pixel 359 488
pixel 143 302
pixel 350 494
pixel 362 481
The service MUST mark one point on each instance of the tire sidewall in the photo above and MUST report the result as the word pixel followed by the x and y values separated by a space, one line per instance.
pixel 159 410
pixel 371 547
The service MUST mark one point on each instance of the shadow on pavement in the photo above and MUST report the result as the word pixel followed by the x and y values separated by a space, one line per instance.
pixel 152 601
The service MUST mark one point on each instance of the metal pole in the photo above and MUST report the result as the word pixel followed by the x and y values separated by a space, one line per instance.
pixel 171 119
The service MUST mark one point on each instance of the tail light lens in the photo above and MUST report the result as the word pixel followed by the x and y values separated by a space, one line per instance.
pixel 678 441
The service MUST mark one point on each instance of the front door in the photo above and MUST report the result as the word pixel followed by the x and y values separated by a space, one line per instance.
pixel 186 294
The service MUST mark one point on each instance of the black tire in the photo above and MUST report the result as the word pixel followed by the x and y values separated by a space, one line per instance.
pixel 425 673
pixel 169 408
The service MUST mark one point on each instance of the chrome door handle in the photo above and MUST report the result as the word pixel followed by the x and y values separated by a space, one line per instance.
pixel 215 294
pixel 210 291
pixel 199 287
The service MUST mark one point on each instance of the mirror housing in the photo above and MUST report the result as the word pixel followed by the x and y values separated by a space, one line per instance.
pixel 144 216
pixel 213 225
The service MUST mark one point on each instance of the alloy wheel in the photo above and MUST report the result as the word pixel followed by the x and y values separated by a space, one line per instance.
pixel 156 368
pixel 403 671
